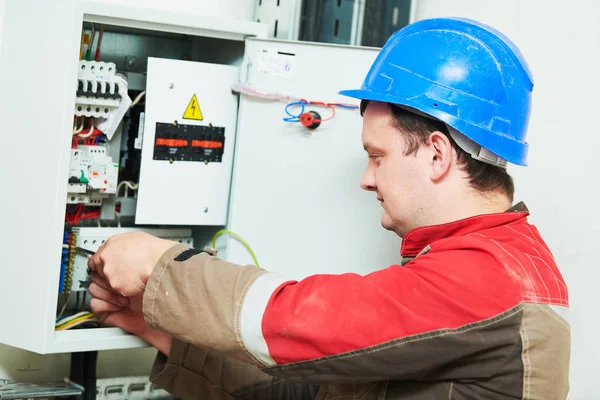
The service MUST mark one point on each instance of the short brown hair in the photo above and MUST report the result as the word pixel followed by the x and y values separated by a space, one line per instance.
pixel 416 129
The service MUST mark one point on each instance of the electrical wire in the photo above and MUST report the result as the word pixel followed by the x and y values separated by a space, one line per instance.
pixel 137 99
pixel 239 239
pixel 78 212
pixel 81 44
pixel 128 185
pixel 99 43
pixel 88 53
pixel 83 301
pixel 77 298
pixel 292 117
pixel 75 320
pixel 296 118
pixel 292 101
pixel 90 132
pixel 80 126
pixel 61 321
pixel 64 307
pixel 242 88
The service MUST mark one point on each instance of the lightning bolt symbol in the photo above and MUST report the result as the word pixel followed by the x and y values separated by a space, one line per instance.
pixel 193 107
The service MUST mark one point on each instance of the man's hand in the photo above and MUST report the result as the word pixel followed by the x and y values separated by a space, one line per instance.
pixel 125 313
pixel 126 261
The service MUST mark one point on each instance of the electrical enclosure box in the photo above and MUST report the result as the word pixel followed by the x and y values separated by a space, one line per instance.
pixel 188 156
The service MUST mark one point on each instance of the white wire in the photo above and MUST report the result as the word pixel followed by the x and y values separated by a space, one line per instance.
pixel 72 317
pixel 137 99
pixel 250 91
pixel 91 131
pixel 128 185
pixel 80 127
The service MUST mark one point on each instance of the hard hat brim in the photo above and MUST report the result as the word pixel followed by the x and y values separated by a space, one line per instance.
pixel 511 150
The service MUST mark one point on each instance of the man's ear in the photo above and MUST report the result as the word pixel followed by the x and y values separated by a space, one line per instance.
pixel 441 155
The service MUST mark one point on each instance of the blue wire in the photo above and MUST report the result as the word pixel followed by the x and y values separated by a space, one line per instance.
pixel 344 106
pixel 292 117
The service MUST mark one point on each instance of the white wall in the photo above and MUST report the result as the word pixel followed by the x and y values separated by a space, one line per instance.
pixel 23 366
pixel 561 41
pixel 1 24
pixel 234 9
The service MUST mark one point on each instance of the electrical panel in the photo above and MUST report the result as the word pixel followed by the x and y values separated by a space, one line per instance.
pixel 183 126
pixel 189 136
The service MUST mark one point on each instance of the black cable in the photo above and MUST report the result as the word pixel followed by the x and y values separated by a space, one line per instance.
pixel 76 304
pixel 84 300
pixel 83 372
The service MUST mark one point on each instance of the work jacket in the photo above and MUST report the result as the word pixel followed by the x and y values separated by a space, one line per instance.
pixel 475 310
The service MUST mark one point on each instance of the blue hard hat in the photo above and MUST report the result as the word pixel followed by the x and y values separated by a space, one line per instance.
pixel 463 73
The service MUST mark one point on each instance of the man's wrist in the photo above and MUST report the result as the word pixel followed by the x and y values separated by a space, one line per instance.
pixel 162 246
pixel 157 339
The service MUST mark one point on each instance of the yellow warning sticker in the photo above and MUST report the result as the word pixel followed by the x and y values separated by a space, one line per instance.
pixel 193 110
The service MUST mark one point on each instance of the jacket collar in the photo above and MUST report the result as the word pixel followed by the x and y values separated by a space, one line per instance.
pixel 417 239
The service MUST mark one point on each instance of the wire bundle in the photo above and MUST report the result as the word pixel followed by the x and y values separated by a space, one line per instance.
pixel 292 101
pixel 72 321
pixel 78 212
pixel 128 185
pixel 90 138
pixel 88 54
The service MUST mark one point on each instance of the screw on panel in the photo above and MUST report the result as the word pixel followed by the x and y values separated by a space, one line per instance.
pixel 205 209
pixel 171 85
pixel 130 62
pixel 171 161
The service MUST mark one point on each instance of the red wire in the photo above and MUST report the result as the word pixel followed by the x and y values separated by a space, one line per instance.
pixel 328 105
pixel 99 43
pixel 328 118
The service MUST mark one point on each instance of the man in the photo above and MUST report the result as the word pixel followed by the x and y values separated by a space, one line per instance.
pixel 473 312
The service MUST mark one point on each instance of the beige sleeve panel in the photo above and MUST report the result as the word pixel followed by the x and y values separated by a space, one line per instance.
pixel 191 372
pixel 197 298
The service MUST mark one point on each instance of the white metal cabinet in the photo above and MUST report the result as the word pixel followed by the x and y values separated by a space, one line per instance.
pixel 295 198
pixel 38 76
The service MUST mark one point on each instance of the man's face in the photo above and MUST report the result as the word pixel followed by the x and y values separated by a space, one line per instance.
pixel 400 181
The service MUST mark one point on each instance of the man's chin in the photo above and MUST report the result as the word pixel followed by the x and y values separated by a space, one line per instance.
pixel 386 224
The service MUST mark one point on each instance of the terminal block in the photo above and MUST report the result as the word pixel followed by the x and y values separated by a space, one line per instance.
pixel 91 239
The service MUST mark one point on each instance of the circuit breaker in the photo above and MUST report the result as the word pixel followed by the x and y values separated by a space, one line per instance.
pixel 93 176
pixel 188 142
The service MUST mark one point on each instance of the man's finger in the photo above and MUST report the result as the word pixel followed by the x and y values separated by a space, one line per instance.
pixel 102 282
pixel 101 306
pixel 100 293
pixel 95 263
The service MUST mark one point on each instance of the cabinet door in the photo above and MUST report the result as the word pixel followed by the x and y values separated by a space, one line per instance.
pixel 296 198
pixel 38 81
pixel 40 47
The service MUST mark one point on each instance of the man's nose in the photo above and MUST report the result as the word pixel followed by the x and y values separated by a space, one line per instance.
pixel 367 181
